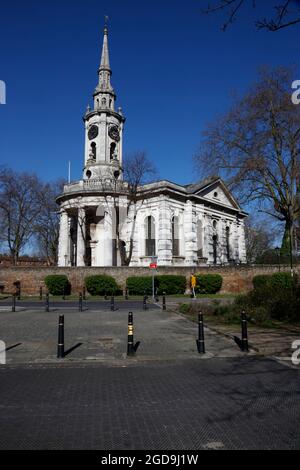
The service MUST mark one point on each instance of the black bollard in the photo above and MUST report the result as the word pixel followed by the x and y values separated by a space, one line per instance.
pixel 112 304
pixel 200 341
pixel 47 308
pixel 130 345
pixel 164 301
pixel 126 294
pixel 244 345
pixel 145 302
pixel 41 293
pixel 61 337
pixel 13 304
pixel 83 293
pixel 80 302
pixel 18 289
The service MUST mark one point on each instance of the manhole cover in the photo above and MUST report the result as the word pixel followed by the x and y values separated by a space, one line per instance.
pixel 214 445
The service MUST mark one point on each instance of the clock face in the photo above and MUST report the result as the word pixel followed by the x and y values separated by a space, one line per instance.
pixel 93 132
pixel 114 133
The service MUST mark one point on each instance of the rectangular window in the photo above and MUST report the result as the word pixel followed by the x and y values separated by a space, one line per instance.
pixel 150 247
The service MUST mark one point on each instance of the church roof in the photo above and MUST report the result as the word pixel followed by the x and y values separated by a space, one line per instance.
pixel 202 190
pixel 194 187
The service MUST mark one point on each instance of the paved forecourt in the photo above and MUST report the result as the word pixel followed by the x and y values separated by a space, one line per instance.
pixel 101 336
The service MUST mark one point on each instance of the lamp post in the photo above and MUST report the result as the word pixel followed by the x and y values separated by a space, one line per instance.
pixel 277 249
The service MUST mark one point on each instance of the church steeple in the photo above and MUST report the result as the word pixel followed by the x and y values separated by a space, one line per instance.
pixel 103 126
pixel 105 54
pixel 104 96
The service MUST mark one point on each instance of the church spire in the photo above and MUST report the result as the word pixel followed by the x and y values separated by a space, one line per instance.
pixel 104 96
pixel 103 126
pixel 105 54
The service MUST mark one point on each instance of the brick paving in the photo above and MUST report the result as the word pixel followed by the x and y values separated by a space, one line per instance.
pixel 233 403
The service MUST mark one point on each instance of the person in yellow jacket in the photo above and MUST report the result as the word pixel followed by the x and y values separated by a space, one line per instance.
pixel 193 284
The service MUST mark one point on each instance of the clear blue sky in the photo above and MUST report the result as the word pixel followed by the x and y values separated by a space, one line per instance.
pixel 173 71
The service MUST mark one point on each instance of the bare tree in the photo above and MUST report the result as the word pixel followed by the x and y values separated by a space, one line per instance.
pixel 258 239
pixel 286 13
pixel 19 209
pixel 256 146
pixel 46 227
pixel 138 170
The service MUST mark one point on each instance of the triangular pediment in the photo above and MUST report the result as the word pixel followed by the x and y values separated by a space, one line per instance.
pixel 217 192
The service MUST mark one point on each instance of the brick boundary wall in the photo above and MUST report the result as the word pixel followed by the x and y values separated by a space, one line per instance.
pixel 235 279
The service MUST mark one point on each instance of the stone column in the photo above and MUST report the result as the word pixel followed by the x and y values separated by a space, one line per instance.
pixel 223 241
pixel 81 230
pixel 205 249
pixel 164 242
pixel 190 235
pixel 138 234
pixel 242 242
pixel 93 245
pixel 108 238
pixel 235 230
pixel 63 247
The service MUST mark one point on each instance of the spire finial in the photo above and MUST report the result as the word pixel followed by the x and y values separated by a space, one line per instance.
pixel 105 55
pixel 106 18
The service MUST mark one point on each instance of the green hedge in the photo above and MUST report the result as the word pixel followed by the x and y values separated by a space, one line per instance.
pixel 138 285
pixel 208 283
pixel 283 280
pixel 58 284
pixel 261 280
pixel 170 284
pixel 279 280
pixel 101 285
pixel 281 304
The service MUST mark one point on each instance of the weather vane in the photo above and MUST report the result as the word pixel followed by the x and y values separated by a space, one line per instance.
pixel 106 18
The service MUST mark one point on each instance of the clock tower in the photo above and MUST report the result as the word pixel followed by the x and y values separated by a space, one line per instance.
pixel 103 127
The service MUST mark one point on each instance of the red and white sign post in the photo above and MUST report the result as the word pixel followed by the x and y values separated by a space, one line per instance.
pixel 153 266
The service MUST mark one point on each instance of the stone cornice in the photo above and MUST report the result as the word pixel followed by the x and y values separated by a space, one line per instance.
pixel 110 112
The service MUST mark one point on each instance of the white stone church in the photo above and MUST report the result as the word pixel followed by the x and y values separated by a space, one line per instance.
pixel 193 225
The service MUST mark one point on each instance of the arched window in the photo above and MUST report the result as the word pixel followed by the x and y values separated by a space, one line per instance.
pixel 228 243
pixel 175 236
pixel 103 102
pixel 215 243
pixel 199 239
pixel 94 150
pixel 150 236
pixel 112 150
